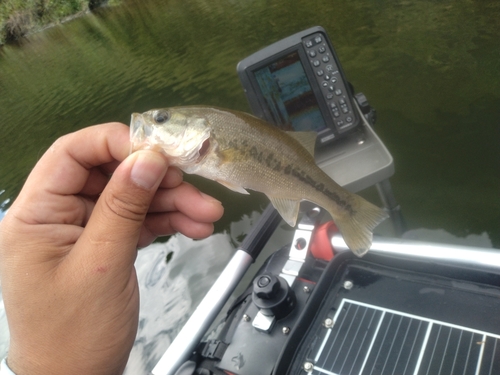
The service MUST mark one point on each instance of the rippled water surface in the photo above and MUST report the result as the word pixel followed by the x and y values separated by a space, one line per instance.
pixel 431 69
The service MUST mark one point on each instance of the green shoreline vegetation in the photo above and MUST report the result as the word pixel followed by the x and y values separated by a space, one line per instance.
pixel 21 17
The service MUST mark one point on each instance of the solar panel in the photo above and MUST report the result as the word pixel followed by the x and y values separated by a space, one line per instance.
pixel 365 339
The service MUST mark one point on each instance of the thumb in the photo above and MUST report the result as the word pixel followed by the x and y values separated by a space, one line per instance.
pixel 113 229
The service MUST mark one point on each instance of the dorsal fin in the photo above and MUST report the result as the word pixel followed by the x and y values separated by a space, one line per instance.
pixel 306 139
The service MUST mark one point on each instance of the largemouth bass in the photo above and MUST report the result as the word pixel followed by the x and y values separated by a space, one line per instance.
pixel 241 151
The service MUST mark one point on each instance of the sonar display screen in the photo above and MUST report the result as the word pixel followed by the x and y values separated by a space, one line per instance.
pixel 289 96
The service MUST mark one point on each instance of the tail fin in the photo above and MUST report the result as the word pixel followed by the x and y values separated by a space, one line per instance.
pixel 356 228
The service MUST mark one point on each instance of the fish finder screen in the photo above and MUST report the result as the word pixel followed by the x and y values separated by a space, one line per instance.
pixel 289 96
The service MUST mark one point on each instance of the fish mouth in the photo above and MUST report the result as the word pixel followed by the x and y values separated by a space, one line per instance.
pixel 139 132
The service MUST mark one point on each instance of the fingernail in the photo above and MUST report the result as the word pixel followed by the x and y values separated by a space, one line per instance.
pixel 178 172
pixel 148 170
pixel 210 198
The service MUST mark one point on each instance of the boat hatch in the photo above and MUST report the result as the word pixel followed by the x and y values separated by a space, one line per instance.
pixel 368 339
pixel 392 317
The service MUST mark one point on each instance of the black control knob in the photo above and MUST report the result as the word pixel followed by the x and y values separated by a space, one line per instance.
pixel 266 286
pixel 272 295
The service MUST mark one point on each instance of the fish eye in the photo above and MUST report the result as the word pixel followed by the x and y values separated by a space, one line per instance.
pixel 161 117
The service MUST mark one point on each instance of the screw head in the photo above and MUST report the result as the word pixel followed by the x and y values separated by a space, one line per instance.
pixel 348 284
pixel 286 330
pixel 308 367
pixel 328 323
pixel 246 318
pixel 306 289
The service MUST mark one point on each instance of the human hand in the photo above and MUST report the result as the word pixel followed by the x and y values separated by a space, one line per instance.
pixel 68 245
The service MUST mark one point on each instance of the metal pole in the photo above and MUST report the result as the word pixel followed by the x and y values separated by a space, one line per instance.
pixel 473 257
pixel 389 200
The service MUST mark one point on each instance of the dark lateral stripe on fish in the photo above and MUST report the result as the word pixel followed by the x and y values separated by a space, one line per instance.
pixel 304 177
pixel 271 162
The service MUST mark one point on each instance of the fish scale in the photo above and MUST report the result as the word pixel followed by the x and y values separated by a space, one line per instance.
pixel 241 151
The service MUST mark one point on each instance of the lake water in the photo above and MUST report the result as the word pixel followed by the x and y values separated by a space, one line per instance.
pixel 431 69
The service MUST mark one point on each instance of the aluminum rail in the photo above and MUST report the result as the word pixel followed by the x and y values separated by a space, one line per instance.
pixel 479 258
pixel 192 333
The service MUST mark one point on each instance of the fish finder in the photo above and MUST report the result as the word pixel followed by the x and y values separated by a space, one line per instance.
pixel 298 84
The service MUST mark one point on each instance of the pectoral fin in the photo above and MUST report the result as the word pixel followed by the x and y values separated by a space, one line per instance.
pixel 288 209
pixel 233 187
